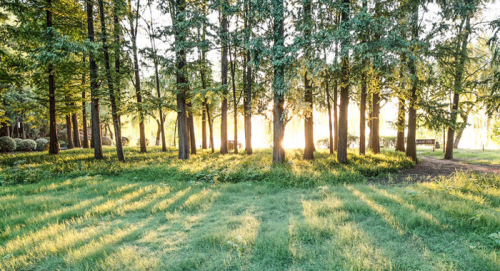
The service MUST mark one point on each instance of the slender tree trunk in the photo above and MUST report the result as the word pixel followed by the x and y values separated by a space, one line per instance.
pixel 335 107
pixel 85 144
pixel 210 127
pixel 329 106
pixel 344 90
pixel 362 114
pixel 95 108
pixel 76 131
pixel 69 132
pixel 457 88
pixel 224 64
pixel 308 121
pixel 235 102
pixel 460 133
pixel 247 101
pixel 181 78
pixel 278 81
pixel 175 133
pixel 190 120
pixel 376 118
pixel 54 143
pixel 400 139
pixel 411 146
pixel 112 98
pixel 203 125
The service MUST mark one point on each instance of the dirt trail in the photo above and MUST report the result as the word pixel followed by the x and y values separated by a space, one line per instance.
pixel 430 168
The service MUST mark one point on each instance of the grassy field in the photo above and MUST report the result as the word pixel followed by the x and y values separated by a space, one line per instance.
pixel 480 157
pixel 157 213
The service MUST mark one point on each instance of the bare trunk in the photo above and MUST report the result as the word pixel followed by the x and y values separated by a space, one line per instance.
pixel 329 106
pixel 95 108
pixel 69 133
pixel 308 121
pixel 112 98
pixel 54 143
pixel 210 127
pixel 375 127
pixel 84 115
pixel 235 102
pixel 224 38
pixel 278 81
pixel 190 120
pixel 400 139
pixel 181 79
pixel 344 91
pixel 247 102
pixel 362 114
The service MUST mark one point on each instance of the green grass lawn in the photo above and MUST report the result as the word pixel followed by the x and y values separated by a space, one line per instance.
pixel 238 212
pixel 487 157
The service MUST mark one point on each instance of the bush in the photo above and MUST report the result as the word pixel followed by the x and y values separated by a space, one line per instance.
pixel 106 141
pixel 63 144
pixel 40 144
pixel 27 145
pixel 323 143
pixel 139 142
pixel 125 141
pixel 352 141
pixel 18 143
pixel 7 144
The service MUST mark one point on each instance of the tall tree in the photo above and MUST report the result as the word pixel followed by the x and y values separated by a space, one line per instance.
pixel 308 90
pixel 112 95
pixel 279 85
pixel 95 107
pixel 134 28
pixel 247 101
pixel 411 147
pixel 54 143
pixel 224 71
pixel 344 86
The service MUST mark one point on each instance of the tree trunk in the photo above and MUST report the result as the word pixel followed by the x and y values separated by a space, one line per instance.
pixel 457 88
pixel 203 125
pixel 224 64
pixel 247 101
pixel 362 113
pixel 54 143
pixel 112 98
pixel 235 102
pixel 329 106
pixel 210 127
pixel 375 127
pixel 69 133
pixel 460 133
pixel 344 90
pixel 308 121
pixel 95 110
pixel 181 78
pixel 76 131
pixel 335 107
pixel 190 120
pixel 85 143
pixel 400 139
pixel 278 81
pixel 411 146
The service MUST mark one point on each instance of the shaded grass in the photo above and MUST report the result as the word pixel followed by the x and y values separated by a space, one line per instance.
pixel 162 166
pixel 127 221
pixel 480 157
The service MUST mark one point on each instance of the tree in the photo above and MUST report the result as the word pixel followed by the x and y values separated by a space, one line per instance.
pixel 279 85
pixel 344 85
pixel 112 95
pixel 224 69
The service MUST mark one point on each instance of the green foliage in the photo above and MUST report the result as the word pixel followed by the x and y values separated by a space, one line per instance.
pixel 18 143
pixel 27 145
pixel 125 141
pixel 40 144
pixel 7 144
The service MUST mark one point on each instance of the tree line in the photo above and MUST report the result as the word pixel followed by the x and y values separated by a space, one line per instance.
pixel 296 55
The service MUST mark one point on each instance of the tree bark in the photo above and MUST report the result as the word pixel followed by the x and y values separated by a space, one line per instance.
pixel 400 139
pixel 329 106
pixel 247 102
pixel 224 64
pixel 375 127
pixel 53 143
pixel 278 81
pixel 181 79
pixel 335 107
pixel 85 143
pixel 411 146
pixel 362 113
pixel 344 90
pixel 235 102
pixel 95 108
pixel 210 127
pixel 76 131
pixel 69 133
pixel 112 95
pixel 190 120
pixel 457 88
pixel 308 121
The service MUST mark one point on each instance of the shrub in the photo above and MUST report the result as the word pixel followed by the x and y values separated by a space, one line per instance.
pixel 40 144
pixel 323 143
pixel 125 141
pixel 352 141
pixel 106 141
pixel 139 142
pixel 18 143
pixel 7 144
pixel 388 141
pixel 63 144
pixel 27 145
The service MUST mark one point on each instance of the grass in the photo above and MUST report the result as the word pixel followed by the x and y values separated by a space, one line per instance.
pixel 139 218
pixel 480 157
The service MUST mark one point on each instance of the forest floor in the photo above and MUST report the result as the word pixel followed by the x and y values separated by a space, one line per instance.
pixel 238 212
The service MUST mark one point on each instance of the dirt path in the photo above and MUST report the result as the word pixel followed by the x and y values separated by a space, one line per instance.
pixel 430 168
